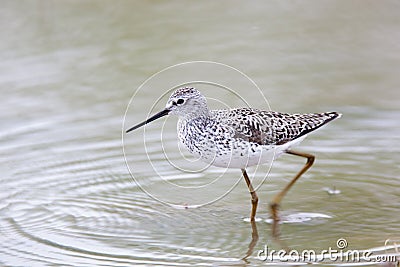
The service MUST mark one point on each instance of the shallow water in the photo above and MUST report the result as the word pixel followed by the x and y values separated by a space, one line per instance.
pixel 69 69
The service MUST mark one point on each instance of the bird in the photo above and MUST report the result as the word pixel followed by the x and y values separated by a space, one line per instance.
pixel 238 138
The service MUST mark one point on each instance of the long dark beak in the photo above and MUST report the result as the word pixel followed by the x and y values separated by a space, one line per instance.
pixel 152 118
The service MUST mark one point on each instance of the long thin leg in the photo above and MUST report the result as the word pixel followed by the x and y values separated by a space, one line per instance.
pixel 278 198
pixel 254 198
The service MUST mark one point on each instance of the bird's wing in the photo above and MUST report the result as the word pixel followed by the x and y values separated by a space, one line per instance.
pixel 269 127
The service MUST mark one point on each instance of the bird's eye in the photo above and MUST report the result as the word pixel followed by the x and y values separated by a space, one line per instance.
pixel 180 101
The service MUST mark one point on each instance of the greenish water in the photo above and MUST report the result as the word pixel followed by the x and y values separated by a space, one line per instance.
pixel 68 70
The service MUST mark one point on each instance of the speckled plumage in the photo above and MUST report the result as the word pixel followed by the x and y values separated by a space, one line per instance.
pixel 241 137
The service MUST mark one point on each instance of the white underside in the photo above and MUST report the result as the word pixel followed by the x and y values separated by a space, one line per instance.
pixel 247 157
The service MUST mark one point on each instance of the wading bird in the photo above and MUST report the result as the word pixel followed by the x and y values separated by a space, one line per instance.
pixel 240 137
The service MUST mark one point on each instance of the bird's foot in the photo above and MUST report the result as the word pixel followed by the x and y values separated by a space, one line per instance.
pixel 274 207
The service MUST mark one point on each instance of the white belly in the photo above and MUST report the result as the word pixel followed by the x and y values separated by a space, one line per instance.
pixel 246 154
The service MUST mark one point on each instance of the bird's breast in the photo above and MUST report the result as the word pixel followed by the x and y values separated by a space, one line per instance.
pixel 215 144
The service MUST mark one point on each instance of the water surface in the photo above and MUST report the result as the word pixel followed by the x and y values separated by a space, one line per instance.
pixel 69 69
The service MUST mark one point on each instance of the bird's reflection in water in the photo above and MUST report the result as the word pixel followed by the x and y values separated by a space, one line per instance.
pixel 275 233
pixel 253 242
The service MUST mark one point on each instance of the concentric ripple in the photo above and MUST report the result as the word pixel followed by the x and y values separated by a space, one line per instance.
pixel 78 204
pixel 75 202
pixel 68 70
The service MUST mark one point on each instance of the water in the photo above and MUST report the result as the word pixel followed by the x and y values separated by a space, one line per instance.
pixel 68 70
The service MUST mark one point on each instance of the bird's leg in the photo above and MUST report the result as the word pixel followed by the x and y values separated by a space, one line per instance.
pixel 254 198
pixel 278 198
